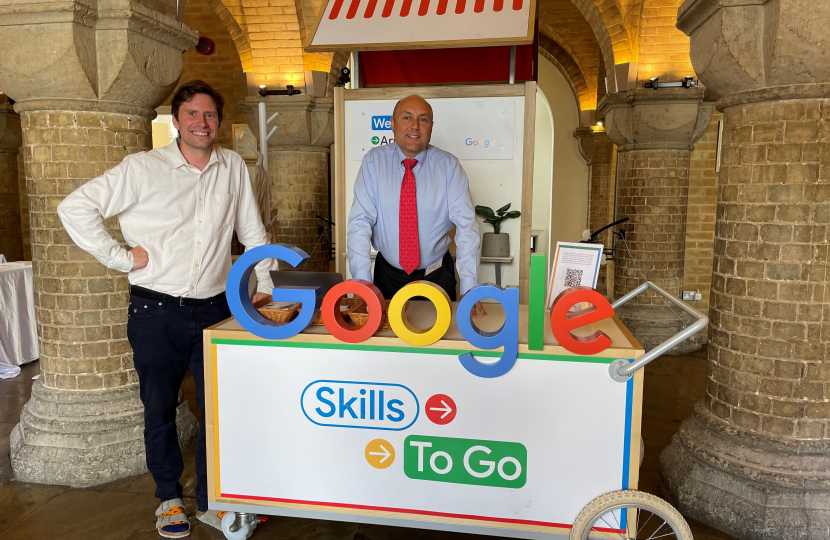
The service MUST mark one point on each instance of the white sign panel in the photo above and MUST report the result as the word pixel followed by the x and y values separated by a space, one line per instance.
pixel 359 23
pixel 393 430
pixel 469 129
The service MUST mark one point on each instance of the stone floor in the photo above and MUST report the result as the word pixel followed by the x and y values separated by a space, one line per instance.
pixel 124 509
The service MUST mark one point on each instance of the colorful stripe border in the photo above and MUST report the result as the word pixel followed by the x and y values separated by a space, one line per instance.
pixel 416 350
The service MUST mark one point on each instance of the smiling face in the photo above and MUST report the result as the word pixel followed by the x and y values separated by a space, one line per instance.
pixel 412 125
pixel 198 122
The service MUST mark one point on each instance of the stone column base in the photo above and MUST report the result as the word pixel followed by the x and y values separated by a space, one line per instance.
pixel 750 487
pixel 654 324
pixel 82 439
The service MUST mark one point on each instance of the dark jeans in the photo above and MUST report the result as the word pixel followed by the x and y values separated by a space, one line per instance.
pixel 167 341
pixel 390 280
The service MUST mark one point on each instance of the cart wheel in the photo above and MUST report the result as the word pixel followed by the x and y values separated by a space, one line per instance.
pixel 236 526
pixel 642 450
pixel 647 516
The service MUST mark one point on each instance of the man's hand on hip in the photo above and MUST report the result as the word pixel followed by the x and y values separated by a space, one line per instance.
pixel 140 257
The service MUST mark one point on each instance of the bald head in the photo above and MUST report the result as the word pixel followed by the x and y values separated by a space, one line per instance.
pixel 413 100
pixel 412 125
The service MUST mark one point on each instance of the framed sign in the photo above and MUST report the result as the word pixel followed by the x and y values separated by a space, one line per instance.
pixel 363 25
pixel 242 136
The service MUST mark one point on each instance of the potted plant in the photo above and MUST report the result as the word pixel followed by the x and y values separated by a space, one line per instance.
pixel 496 243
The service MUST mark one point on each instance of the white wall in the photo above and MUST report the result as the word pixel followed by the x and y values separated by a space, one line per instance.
pixel 569 201
pixel 542 172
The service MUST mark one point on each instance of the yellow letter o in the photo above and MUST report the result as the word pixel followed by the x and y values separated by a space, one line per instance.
pixel 418 336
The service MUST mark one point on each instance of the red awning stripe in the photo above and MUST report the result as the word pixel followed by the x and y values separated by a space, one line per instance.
pixel 370 9
pixel 353 9
pixel 423 7
pixel 335 11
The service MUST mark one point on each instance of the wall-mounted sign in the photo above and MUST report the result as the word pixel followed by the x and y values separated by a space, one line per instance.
pixel 470 130
pixel 356 25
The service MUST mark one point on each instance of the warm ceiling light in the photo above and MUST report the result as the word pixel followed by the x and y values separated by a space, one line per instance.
pixel 599 122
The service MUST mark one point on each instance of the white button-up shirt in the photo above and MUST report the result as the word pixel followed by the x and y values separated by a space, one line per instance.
pixel 182 216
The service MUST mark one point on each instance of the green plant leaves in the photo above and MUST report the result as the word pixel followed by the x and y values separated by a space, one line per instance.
pixel 485 211
pixel 495 218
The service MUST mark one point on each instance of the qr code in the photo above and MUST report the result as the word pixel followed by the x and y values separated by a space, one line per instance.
pixel 573 278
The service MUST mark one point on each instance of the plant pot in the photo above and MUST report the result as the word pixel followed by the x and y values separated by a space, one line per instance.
pixel 495 245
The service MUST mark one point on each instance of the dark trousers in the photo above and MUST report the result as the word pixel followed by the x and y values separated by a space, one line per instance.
pixel 390 280
pixel 167 341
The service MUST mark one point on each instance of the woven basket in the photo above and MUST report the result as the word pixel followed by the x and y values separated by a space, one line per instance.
pixel 359 314
pixel 288 315
pixel 276 315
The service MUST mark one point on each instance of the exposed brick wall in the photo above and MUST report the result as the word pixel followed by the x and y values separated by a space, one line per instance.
pixel 770 301
pixel 221 69
pixel 652 190
pixel 81 306
pixel 300 178
pixel 664 50
pixel 601 197
pixel 700 214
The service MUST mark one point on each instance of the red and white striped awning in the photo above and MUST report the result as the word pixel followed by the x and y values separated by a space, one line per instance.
pixel 360 25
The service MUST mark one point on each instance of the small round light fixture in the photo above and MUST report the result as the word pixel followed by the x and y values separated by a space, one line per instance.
pixel 599 123
pixel 204 46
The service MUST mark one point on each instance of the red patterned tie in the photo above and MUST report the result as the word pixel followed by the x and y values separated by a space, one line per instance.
pixel 409 256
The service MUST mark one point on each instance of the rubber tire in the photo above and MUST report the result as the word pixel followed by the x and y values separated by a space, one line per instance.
pixel 243 533
pixel 632 497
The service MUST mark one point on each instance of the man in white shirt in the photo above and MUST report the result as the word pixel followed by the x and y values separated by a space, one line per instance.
pixel 178 207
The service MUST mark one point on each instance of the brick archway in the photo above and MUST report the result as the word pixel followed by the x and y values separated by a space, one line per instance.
pixel 566 63
pixel 611 32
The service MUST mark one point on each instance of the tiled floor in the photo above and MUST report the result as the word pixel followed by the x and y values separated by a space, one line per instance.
pixel 124 509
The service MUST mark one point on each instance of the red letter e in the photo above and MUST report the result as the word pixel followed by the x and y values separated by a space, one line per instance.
pixel 562 321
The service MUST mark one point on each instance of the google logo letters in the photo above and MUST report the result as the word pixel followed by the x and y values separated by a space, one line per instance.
pixel 562 320
pixel 485 143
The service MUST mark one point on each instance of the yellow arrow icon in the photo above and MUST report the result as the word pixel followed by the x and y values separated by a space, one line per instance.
pixel 380 454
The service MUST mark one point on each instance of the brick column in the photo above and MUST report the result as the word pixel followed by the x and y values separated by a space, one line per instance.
pixel 655 132
pixel 11 232
pixel 753 459
pixel 298 163
pixel 83 424
pixel 598 151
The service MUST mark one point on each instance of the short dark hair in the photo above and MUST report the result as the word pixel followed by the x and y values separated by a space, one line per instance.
pixel 189 89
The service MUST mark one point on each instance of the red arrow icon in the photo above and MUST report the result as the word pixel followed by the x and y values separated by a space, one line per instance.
pixel 440 409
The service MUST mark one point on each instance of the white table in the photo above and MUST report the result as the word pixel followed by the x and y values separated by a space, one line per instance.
pixel 18 329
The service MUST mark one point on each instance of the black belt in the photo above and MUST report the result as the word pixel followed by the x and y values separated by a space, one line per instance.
pixel 147 294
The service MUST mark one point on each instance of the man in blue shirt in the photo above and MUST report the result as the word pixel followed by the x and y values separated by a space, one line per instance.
pixel 407 198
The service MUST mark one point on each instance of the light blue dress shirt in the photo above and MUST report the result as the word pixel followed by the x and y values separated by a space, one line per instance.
pixel 443 194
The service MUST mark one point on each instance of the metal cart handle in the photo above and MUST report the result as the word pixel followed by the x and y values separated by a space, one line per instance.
pixel 622 370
